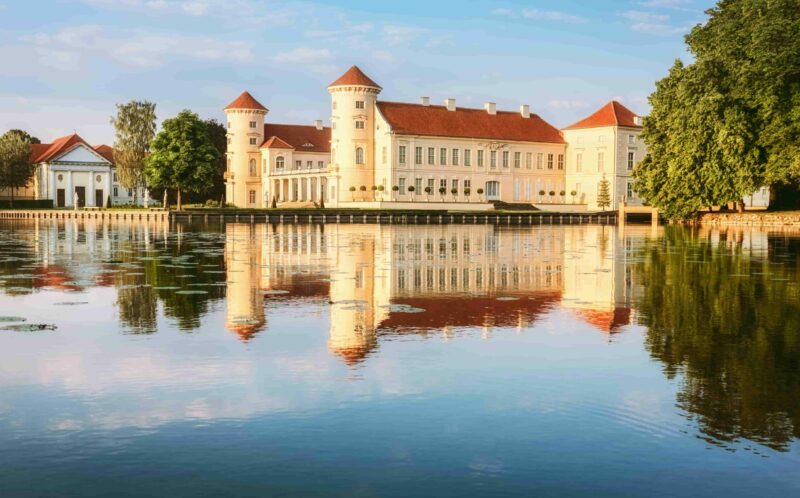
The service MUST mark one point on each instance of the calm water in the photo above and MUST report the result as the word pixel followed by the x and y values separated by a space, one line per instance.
pixel 364 360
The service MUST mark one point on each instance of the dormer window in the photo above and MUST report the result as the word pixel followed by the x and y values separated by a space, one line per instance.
pixel 308 145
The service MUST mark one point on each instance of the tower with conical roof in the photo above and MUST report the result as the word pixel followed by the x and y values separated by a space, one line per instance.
pixel 353 98
pixel 245 135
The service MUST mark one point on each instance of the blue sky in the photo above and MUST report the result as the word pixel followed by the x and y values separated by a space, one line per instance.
pixel 67 62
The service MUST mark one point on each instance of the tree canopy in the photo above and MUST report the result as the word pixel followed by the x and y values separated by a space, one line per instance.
pixel 729 122
pixel 182 156
pixel 135 127
pixel 16 166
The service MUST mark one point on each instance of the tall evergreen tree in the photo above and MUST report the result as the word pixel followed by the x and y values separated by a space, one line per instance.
pixel 16 167
pixel 135 127
pixel 603 194
pixel 182 156
pixel 727 124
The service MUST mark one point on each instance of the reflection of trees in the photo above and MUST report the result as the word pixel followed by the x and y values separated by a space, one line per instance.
pixel 735 338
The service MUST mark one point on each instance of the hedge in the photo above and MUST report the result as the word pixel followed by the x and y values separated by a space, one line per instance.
pixel 27 204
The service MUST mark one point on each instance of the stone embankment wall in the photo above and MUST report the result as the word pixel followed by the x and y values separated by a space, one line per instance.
pixel 761 218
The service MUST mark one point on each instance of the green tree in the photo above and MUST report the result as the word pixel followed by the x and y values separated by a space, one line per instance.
pixel 726 124
pixel 16 167
pixel 219 139
pixel 182 156
pixel 25 136
pixel 135 127
pixel 603 194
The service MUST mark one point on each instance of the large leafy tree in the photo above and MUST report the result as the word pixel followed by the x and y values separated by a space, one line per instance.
pixel 135 127
pixel 16 167
pixel 728 123
pixel 182 156
pixel 219 138
pixel 25 136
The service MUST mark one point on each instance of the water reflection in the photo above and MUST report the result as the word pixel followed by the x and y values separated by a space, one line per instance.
pixel 720 309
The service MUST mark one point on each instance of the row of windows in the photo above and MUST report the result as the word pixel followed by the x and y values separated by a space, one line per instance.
pixel 458 157
pixel 359 104
pixel 601 159
pixel 602 138
pixel 476 277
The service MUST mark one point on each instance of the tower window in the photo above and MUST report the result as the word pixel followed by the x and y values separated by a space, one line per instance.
pixel 252 124
pixel 359 104
pixel 253 167
pixel 252 141
pixel 359 125
pixel 359 155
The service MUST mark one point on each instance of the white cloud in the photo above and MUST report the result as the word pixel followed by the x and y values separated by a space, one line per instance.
pixel 540 15
pixel 195 8
pixel 395 35
pixel 666 4
pixel 652 23
pixel 238 12
pixel 67 47
pixel 303 56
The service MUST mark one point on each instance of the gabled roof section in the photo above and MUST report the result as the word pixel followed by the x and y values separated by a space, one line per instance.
pixel 611 114
pixel 437 121
pixel 299 136
pixel 275 143
pixel 355 77
pixel 246 101
pixel 41 153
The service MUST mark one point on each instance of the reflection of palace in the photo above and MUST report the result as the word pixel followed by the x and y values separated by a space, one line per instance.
pixel 389 279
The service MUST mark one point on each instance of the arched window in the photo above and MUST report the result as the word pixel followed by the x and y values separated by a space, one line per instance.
pixel 279 162
pixel 253 171
pixel 359 155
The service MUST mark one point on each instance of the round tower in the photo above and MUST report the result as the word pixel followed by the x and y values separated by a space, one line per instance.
pixel 353 98
pixel 245 117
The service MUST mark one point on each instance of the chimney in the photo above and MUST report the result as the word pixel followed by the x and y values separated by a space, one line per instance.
pixel 451 104
pixel 525 111
pixel 491 108
pixel 637 120
pixel 318 124
pixel 426 101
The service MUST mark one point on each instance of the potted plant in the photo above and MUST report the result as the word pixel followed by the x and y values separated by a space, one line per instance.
pixel 541 195
pixel 562 194
pixel 395 189
pixel 428 191
pixel 573 194
pixel 411 190
pixel 480 192
pixel 467 192
pixel 442 191
pixel 353 193
pixel 454 191
pixel 552 194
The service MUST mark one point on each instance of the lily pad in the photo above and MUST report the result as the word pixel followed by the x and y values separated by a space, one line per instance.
pixel 12 319
pixel 29 327
pixel 70 303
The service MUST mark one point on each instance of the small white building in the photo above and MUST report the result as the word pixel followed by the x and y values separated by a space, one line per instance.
pixel 73 173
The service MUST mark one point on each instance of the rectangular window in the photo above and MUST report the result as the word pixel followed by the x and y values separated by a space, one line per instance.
pixel 431 155
pixel 252 124
pixel 601 138
pixel 402 154
pixel 115 177
pixel 467 184
pixel 528 160
pixel 630 190
pixel 480 158
pixel 418 155
pixel 310 164
pixel 578 162
pixel 517 159
pixel 443 156
pixel 454 184
pixel 359 104
pixel 359 125
pixel 561 161
pixel 493 159
pixel 383 154
pixel 549 161
pixel 252 197
pixel 630 160
pixel 539 160
pixel 467 157
pixel 402 185
pixel 252 141
pixel 418 186
pixel 443 183
pixel 430 184
pixel 505 159
pixel 320 164
pixel 298 165
pixel 631 139
pixel 454 156
pixel 601 157
pixel 116 191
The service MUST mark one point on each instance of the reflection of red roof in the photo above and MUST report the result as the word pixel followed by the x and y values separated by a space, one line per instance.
pixel 606 321
pixel 611 114
pixel 245 331
pixel 41 153
pixel 467 311
pixel 54 276
pixel 303 138
pixel 437 121
pixel 246 101
pixel 354 77
pixel 353 356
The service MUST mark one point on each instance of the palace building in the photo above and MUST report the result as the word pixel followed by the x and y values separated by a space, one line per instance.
pixel 379 154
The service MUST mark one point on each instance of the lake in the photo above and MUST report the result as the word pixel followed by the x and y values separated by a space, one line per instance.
pixel 391 360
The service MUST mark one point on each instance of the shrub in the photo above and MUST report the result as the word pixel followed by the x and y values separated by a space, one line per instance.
pixel 480 191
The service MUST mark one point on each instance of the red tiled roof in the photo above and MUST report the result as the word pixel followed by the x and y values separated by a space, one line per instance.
pixel 301 137
pixel 275 143
pixel 245 101
pixel 434 120
pixel 611 114
pixel 41 153
pixel 354 76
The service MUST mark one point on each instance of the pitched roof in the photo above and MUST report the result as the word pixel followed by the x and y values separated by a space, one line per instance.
pixel 245 101
pixel 275 143
pixel 354 76
pixel 41 153
pixel 434 120
pixel 611 114
pixel 301 137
